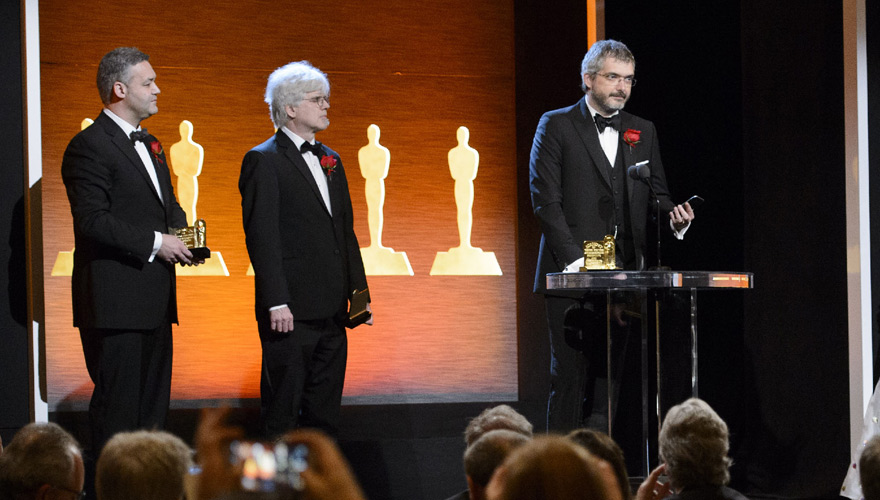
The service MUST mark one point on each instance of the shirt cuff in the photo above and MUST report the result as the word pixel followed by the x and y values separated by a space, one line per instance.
pixel 157 244
pixel 679 234
pixel 275 308
pixel 575 266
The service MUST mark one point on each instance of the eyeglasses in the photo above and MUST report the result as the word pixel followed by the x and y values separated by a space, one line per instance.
pixel 80 495
pixel 614 78
pixel 319 100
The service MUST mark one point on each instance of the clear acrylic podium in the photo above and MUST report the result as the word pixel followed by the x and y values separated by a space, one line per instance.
pixel 641 282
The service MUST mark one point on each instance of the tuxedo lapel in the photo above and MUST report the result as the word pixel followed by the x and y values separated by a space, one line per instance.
pixel 333 185
pixel 299 163
pixel 124 144
pixel 586 129
pixel 628 157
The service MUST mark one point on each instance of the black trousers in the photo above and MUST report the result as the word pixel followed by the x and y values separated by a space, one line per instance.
pixel 131 370
pixel 302 376
pixel 579 386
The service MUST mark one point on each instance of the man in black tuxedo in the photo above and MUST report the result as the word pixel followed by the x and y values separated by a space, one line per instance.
pixel 298 228
pixel 581 191
pixel 124 300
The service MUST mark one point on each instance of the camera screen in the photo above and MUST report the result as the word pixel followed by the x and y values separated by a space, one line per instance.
pixel 269 467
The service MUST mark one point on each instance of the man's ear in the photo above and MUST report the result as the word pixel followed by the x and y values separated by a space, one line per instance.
pixel 291 112
pixel 586 80
pixel 119 90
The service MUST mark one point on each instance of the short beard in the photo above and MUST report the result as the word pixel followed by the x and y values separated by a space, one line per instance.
pixel 605 107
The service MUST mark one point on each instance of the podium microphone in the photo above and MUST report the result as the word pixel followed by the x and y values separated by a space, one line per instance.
pixel 640 172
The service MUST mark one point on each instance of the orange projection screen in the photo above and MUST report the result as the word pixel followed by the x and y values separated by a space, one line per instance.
pixel 418 71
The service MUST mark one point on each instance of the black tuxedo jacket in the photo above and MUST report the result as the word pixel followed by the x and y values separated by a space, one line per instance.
pixel 302 256
pixel 115 211
pixel 571 188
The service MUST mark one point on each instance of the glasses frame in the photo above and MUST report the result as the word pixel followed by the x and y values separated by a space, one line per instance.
pixel 319 100
pixel 629 81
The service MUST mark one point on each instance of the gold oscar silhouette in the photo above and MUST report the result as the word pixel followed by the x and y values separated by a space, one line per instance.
pixel 64 262
pixel 186 158
pixel 464 259
pixel 374 160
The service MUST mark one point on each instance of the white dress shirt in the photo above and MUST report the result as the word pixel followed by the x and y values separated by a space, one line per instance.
pixel 142 152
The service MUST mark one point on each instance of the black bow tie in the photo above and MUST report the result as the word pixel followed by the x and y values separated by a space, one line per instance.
pixel 140 135
pixel 602 122
pixel 315 148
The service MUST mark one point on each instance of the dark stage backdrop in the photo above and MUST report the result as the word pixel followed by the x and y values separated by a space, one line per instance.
pixel 14 409
pixel 747 97
pixel 419 73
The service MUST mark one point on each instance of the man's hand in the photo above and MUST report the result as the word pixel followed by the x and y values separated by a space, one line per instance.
pixel 213 436
pixel 328 474
pixel 173 250
pixel 681 216
pixel 281 320
pixel 370 310
pixel 651 488
pixel 617 310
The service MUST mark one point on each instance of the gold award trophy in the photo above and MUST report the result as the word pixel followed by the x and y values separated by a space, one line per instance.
pixel 599 255
pixel 195 237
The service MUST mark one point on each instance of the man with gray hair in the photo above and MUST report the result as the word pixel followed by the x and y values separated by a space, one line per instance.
pixel 143 465
pixel 693 445
pixel 496 417
pixel 297 217
pixel 485 455
pixel 41 461
pixel 581 191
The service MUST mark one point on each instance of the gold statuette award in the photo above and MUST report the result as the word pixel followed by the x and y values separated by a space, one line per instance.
pixel 599 254
pixel 195 238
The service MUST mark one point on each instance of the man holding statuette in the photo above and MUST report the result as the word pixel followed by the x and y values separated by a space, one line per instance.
pixel 123 204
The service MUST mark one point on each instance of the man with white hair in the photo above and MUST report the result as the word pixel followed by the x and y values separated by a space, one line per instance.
pixel 297 217
pixel 42 461
pixel 693 446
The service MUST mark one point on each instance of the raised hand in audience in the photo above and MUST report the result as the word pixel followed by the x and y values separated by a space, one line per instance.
pixel 651 488
pixel 328 476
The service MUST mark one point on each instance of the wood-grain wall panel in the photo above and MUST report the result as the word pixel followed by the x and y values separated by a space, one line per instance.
pixel 418 71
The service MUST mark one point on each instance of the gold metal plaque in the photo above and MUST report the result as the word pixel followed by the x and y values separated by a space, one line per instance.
pixel 195 238
pixel 599 254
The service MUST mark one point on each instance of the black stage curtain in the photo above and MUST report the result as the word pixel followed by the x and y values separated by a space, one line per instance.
pixel 14 409
pixel 747 97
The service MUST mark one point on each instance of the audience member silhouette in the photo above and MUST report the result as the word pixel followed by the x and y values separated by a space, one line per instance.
pixel 869 469
pixel 42 461
pixel 693 445
pixel 143 465
pixel 603 447
pixel 549 467
pixel 497 417
pixel 484 456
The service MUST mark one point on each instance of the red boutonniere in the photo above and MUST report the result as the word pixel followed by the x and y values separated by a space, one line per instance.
pixel 156 149
pixel 632 137
pixel 328 163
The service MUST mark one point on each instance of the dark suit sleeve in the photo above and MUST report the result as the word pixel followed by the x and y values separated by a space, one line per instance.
pixel 260 202
pixel 546 166
pixel 658 177
pixel 357 276
pixel 89 184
